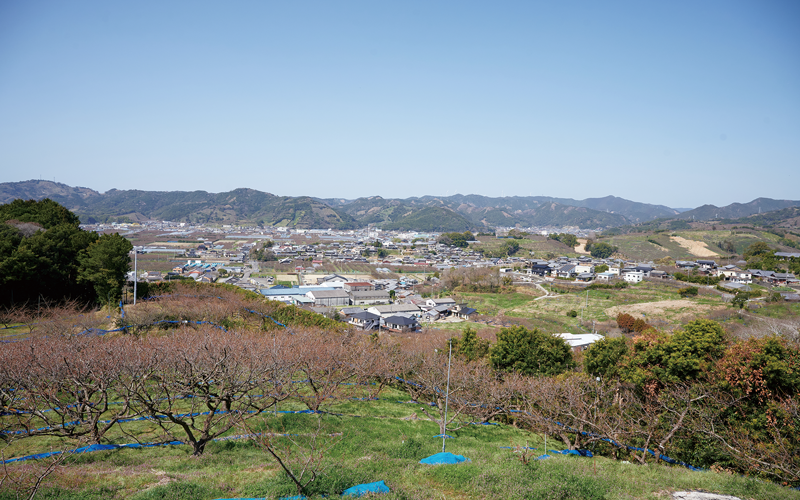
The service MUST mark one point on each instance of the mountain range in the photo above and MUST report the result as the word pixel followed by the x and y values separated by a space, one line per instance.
pixel 426 213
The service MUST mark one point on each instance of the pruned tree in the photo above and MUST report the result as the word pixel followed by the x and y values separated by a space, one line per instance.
pixel 327 365
pixel 427 383
pixel 197 385
pixel 67 386
pixel 303 457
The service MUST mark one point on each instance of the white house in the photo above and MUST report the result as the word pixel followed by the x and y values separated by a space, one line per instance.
pixel 633 276
pixel 446 301
pixel 579 342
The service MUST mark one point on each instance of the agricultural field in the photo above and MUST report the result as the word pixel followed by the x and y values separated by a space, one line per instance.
pixel 690 244
pixel 234 371
pixel 541 246
pixel 372 441
pixel 163 262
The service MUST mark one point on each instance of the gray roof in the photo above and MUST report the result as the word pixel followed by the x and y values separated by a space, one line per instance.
pixel 400 320
pixel 372 294
pixel 395 308
pixel 365 316
pixel 329 294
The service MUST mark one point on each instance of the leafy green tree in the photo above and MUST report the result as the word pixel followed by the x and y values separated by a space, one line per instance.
pixel 602 250
pixel 470 346
pixel 601 268
pixel 530 352
pixel 739 300
pixel 46 212
pixel 39 246
pixel 686 355
pixel 456 239
pixel 603 357
pixel 510 247
pixel 757 249
pixel 568 239
pixel 104 264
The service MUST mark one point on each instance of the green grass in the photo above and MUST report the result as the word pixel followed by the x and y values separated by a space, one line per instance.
pixel 381 445
pixel 778 310
pixel 550 314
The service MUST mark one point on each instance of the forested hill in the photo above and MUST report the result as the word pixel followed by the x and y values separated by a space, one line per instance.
pixel 427 213
pixel 737 210
pixel 239 205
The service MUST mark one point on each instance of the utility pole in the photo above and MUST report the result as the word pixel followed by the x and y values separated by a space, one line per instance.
pixel 135 275
pixel 447 395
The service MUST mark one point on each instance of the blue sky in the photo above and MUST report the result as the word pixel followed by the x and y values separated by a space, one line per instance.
pixel 677 103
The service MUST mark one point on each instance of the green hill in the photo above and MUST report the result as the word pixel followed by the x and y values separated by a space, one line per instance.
pixel 237 206
pixel 431 219
pixel 736 210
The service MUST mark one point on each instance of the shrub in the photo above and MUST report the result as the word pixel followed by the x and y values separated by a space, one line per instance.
pixel 625 322
pixel 530 352
pixel 572 314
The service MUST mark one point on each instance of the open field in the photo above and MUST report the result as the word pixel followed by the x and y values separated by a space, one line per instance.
pixel 163 262
pixel 581 248
pixel 696 248
pixel 659 301
pixel 683 309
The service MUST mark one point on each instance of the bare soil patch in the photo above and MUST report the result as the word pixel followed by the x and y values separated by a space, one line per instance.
pixel 581 248
pixel 674 309
pixel 697 248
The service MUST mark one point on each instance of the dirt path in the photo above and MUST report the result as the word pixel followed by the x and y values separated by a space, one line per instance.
pixel 697 248
pixel 581 248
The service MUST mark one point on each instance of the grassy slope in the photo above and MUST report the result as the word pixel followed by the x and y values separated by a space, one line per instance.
pixel 635 245
pixel 378 445
pixel 539 245
pixel 550 314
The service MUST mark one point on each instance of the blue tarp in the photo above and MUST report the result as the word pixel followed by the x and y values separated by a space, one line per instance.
pixel 86 449
pixel 444 458
pixel 363 489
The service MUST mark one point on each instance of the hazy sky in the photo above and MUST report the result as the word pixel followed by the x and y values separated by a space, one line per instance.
pixel 678 103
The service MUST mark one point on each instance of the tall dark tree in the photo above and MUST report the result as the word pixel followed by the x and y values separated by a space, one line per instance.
pixel 602 250
pixel 104 265
pixel 40 246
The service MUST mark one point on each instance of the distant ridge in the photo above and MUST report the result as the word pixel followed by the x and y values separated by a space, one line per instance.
pixel 426 213
pixel 737 210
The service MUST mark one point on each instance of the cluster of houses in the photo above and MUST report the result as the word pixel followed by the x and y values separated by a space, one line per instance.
pixel 583 269
pixel 406 316
pixel 736 277
pixel 368 304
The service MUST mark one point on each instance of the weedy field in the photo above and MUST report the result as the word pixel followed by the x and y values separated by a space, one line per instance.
pixel 659 303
